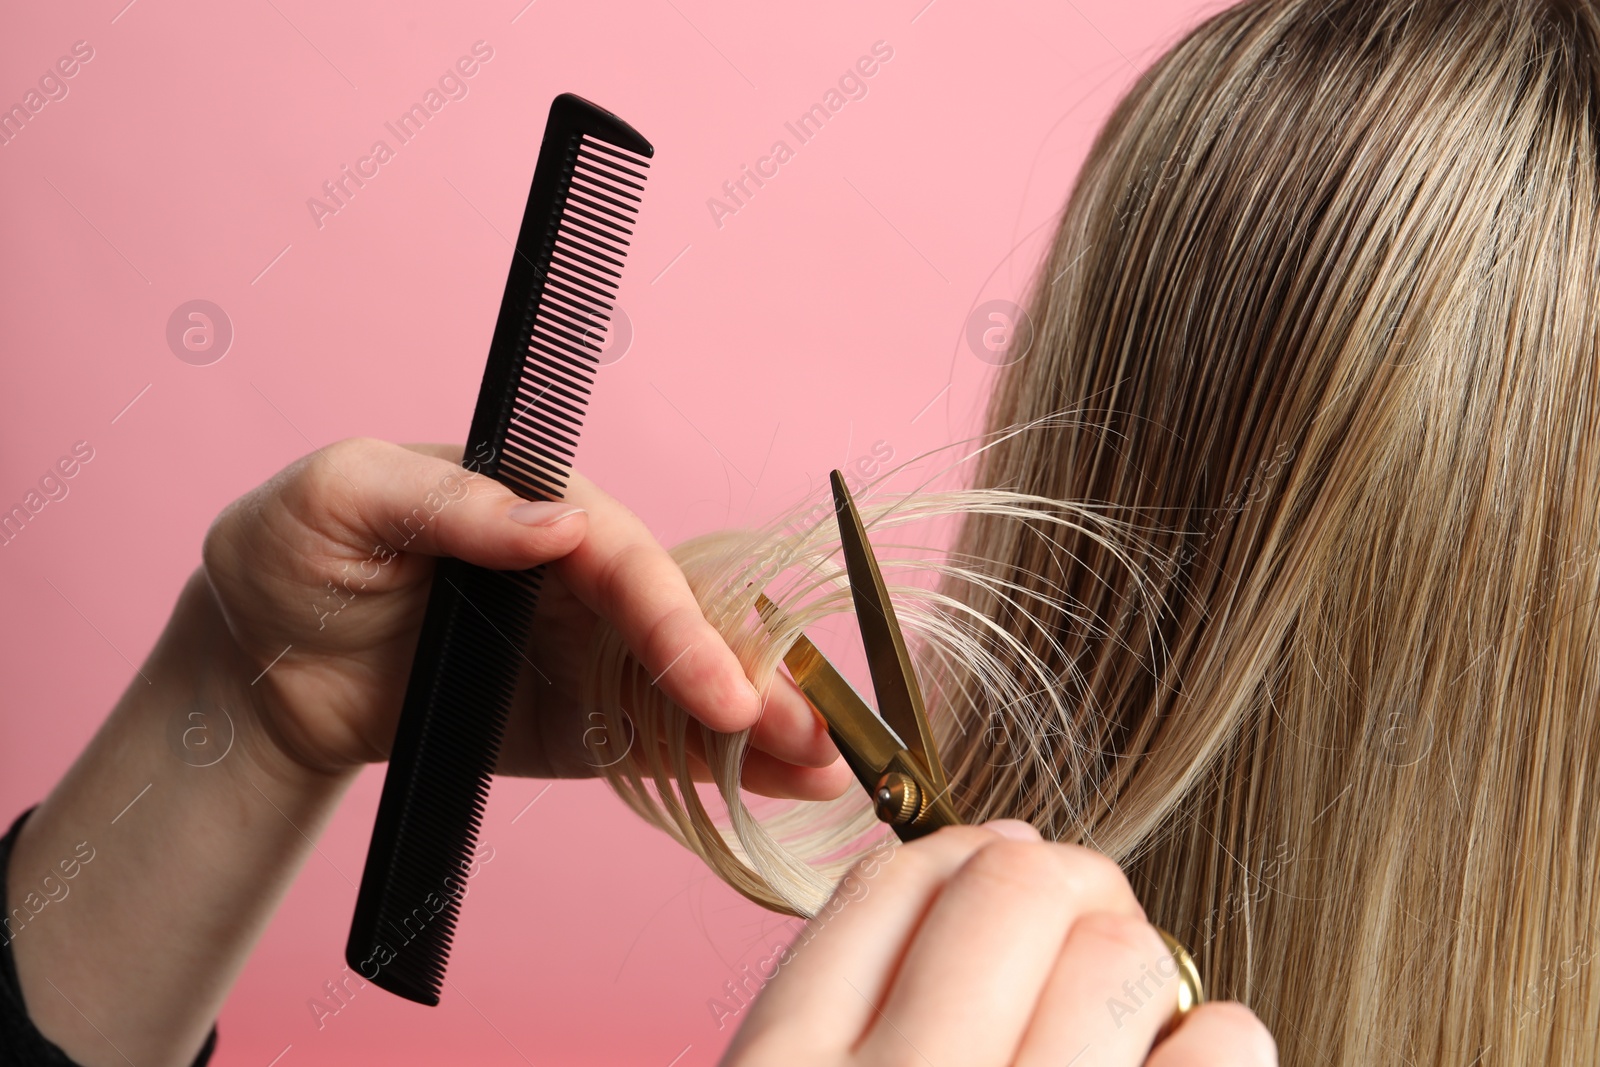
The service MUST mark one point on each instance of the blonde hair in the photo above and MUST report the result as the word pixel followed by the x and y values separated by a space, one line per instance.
pixel 1279 580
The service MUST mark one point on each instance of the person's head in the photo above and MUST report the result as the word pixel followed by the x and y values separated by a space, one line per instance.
pixel 1309 638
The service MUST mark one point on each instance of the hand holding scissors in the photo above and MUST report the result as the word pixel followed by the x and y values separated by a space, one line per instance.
pixel 972 945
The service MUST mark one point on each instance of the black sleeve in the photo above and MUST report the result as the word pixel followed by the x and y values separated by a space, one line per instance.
pixel 21 1044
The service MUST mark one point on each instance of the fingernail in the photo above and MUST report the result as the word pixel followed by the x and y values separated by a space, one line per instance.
pixel 542 512
pixel 1015 829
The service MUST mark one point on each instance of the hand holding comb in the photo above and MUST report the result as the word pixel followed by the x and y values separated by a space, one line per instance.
pixel 559 295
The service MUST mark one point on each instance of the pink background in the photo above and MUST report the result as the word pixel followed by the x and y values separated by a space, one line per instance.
pixel 825 315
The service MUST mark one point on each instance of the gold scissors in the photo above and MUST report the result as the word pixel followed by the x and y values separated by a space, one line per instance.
pixel 894 757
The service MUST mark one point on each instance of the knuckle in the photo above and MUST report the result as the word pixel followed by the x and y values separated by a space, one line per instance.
pixel 1132 939
pixel 1094 875
pixel 1016 868
pixel 336 461
pixel 946 848
pixel 679 616
pixel 354 448
pixel 324 471
pixel 665 652
pixel 614 576
pixel 1095 865
pixel 1131 955
pixel 935 857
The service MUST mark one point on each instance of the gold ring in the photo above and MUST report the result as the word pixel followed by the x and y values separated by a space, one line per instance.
pixel 1190 991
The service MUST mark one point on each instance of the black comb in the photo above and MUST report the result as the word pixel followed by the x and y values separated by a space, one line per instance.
pixel 554 317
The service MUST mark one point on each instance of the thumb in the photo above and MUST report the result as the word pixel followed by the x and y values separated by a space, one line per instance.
pixel 365 492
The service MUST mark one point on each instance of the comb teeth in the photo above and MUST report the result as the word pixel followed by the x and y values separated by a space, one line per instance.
pixel 554 321
pixel 406 942
pixel 567 330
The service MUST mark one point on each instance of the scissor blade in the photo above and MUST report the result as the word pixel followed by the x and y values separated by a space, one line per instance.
pixel 893 678
pixel 867 744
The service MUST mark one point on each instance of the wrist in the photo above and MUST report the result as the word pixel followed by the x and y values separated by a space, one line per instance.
pixel 196 823
pixel 230 717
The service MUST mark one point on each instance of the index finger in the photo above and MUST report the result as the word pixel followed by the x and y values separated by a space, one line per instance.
pixel 624 575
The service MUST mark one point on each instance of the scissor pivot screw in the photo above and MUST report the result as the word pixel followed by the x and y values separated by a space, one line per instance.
pixel 898 799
